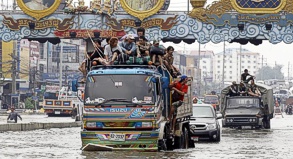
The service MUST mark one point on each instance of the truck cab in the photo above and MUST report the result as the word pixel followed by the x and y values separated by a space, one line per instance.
pixel 213 100
pixel 248 111
pixel 125 108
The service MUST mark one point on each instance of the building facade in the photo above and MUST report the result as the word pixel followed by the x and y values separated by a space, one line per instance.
pixel 188 62
pixel 233 62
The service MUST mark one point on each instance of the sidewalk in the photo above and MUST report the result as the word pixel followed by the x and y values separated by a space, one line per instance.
pixel 34 122
pixel 38 118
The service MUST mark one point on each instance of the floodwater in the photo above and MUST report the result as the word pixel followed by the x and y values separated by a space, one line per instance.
pixel 65 144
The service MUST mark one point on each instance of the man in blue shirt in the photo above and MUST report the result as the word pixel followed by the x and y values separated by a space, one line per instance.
pixel 128 46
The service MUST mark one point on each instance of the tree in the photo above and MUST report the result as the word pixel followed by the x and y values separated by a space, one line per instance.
pixel 268 72
pixel 29 103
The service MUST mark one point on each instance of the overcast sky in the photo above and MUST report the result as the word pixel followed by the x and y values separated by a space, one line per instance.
pixel 281 53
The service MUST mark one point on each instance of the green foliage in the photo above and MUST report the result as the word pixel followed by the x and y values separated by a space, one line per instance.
pixel 268 72
pixel 29 103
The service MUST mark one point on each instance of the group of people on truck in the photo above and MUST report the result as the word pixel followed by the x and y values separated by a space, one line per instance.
pixel 130 46
pixel 244 89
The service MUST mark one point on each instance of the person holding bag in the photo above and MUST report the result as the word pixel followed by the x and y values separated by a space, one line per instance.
pixel 180 88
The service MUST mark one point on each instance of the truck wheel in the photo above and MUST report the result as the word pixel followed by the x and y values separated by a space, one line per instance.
pixel 266 123
pixel 166 143
pixel 184 138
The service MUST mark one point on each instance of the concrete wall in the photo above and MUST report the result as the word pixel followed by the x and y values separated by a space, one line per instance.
pixel 35 126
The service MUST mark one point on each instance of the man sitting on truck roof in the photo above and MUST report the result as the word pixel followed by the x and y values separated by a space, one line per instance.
pixel 233 91
pixel 253 90
pixel 180 89
pixel 244 76
pixel 242 89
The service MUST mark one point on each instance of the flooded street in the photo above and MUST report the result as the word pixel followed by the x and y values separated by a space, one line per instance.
pixel 65 143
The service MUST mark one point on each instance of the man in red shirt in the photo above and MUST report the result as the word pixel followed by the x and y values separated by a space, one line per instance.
pixel 180 88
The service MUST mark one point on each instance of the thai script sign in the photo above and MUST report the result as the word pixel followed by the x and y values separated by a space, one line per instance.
pixel 156 22
pixel 13 24
pixel 259 19
pixel 86 33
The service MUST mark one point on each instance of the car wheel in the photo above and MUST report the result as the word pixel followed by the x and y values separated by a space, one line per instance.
pixel 218 138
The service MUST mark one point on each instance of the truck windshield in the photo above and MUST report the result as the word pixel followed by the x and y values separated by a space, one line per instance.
pixel 211 99
pixel 245 102
pixel 127 87
pixel 203 112
pixel 49 95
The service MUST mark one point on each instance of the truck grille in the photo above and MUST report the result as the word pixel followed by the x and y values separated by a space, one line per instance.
pixel 198 126
pixel 241 120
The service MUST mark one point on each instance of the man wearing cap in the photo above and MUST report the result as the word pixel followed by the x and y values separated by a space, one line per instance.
pixel 13 116
pixel 180 88
pixel 233 91
pixel 128 46
pixel 157 52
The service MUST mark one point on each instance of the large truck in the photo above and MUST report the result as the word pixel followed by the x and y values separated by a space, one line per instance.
pixel 213 100
pixel 60 103
pixel 125 108
pixel 248 111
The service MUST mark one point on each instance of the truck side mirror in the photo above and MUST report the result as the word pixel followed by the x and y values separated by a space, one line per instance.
pixel 165 82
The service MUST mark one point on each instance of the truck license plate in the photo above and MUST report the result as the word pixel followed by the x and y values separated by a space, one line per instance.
pixel 117 137
pixel 57 112
pixel 194 138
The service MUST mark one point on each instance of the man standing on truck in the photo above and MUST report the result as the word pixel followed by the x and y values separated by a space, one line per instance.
pixel 180 89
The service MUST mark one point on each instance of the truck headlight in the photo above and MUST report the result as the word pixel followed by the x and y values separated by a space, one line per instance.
pixel 212 126
pixel 147 124
pixel 91 124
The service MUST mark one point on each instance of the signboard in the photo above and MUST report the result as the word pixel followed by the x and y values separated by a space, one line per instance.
pixel 70 76
pixel 86 33
pixel 13 24
pixel 67 49
pixel 156 22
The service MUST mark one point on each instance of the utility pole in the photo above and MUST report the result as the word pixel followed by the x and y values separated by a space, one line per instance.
pixel 223 73
pixel 288 71
pixel 240 60
pixel 14 72
pixel 199 70
pixel 60 64
pixel 14 5
pixel 261 67
pixel 13 68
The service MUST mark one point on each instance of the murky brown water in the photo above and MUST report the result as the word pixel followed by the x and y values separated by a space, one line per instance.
pixel 65 143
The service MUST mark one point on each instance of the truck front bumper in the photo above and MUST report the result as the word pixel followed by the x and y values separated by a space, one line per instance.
pixel 241 121
pixel 130 140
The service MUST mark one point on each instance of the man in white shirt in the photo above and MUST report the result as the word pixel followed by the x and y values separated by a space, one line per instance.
pixel 36 5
